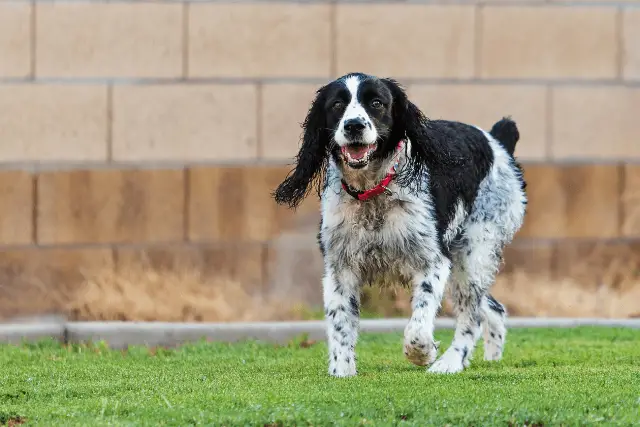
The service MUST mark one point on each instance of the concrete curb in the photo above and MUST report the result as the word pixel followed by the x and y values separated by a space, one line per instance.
pixel 17 332
pixel 123 334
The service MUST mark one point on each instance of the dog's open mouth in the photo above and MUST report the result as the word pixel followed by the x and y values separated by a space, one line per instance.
pixel 357 155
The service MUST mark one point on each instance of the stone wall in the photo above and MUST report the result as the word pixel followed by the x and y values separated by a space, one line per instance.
pixel 154 131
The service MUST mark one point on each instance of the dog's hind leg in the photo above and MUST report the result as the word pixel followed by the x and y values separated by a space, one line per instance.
pixel 466 296
pixel 493 324
pixel 474 268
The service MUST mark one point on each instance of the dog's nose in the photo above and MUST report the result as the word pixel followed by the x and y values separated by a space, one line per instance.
pixel 354 126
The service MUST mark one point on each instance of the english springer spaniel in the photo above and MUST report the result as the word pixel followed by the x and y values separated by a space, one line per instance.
pixel 408 200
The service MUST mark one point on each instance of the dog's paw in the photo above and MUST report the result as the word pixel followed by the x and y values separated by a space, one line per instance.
pixel 492 351
pixel 493 346
pixel 450 363
pixel 419 349
pixel 421 354
pixel 345 367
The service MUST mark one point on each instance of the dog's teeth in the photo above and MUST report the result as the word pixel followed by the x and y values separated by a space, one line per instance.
pixel 361 160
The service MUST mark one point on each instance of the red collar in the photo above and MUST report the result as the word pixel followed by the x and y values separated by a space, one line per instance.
pixel 382 185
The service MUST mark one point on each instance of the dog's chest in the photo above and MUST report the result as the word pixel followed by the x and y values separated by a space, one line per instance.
pixel 383 238
pixel 373 216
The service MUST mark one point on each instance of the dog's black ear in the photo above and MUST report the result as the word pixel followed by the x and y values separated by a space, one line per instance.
pixel 311 160
pixel 408 120
pixel 428 147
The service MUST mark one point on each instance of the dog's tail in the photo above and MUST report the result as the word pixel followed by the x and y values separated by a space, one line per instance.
pixel 506 132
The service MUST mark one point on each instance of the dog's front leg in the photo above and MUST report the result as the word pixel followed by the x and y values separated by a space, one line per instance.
pixel 342 310
pixel 428 289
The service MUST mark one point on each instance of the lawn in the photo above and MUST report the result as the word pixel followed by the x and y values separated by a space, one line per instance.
pixel 548 377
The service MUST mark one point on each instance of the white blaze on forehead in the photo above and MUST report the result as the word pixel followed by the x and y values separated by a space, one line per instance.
pixel 353 111
pixel 352 84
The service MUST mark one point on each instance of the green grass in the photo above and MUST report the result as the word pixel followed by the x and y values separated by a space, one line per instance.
pixel 548 377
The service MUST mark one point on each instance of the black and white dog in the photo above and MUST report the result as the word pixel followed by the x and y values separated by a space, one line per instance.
pixel 423 203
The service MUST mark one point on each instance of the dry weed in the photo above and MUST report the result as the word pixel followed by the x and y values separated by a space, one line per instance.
pixel 145 294
pixel 525 295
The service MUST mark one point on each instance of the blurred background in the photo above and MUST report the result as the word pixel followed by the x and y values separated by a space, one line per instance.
pixel 139 142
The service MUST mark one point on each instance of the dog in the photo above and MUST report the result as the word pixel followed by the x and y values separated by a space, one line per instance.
pixel 428 204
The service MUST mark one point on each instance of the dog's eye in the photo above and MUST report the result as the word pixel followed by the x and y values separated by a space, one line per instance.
pixel 338 105
pixel 376 103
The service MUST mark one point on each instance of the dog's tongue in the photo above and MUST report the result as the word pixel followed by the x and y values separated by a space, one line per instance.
pixel 356 152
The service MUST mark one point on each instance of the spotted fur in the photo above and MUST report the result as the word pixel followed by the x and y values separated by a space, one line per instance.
pixel 458 199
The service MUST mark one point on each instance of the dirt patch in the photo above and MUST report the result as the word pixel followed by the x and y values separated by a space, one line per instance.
pixel 16 421
pixel 307 343
pixel 11 420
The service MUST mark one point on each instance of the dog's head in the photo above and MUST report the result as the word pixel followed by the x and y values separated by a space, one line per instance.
pixel 358 120
pixel 359 112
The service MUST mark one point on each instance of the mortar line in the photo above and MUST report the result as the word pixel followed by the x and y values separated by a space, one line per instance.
pixel 115 256
pixel 34 208
pixel 520 242
pixel 479 25
pixel 265 266
pixel 620 53
pixel 234 81
pixel 186 209
pixel 548 148
pixel 109 123
pixel 33 31
pixel 333 39
pixel 58 166
pixel 259 124
pixel 185 39
pixel 501 3
pixel 553 262
pixel 116 246
pixel 622 183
